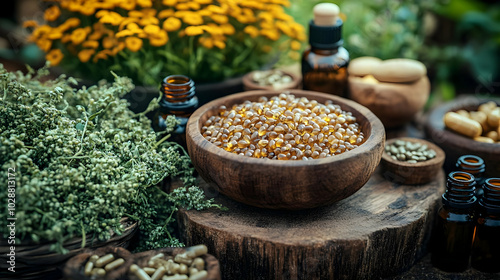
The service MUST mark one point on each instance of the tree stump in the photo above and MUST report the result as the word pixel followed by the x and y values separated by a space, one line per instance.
pixel 380 231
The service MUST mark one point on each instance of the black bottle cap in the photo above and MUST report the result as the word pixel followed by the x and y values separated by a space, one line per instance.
pixel 325 37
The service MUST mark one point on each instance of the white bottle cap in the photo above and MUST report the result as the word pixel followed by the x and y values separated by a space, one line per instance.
pixel 326 14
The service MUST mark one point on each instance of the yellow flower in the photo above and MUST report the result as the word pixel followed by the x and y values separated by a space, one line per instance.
pixel 69 23
pixel 127 4
pixel 220 19
pixel 213 29
pixel 52 13
pixel 270 33
pixel 182 6
pixel 206 42
pixel 101 55
pixel 195 6
pixel 54 34
pixel 194 30
pixel 66 38
pixel 96 35
pixel 91 44
pixel 84 55
pixel 88 9
pixel 216 9
pixel 285 28
pixel 172 24
pixel 133 43
pixel 118 48
pixel 109 42
pixel 165 13
pixel 151 29
pixel 252 31
pixel 44 44
pixel 112 18
pixel 158 39
pixel 78 35
pixel 192 19
pixel 219 44
pixel 228 29
pixel 203 2
pixel 124 33
pixel 145 3
pixel 54 56
pixel 126 21
pixel 295 45
pixel 30 23
pixel 169 2
pixel 41 31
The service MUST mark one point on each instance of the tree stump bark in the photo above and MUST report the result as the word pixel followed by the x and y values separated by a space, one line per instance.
pixel 381 230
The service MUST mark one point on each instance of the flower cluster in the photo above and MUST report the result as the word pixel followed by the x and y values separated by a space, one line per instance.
pixel 206 39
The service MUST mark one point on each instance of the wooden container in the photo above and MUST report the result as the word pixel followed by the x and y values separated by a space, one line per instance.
pixel 37 261
pixel 412 173
pixel 250 84
pixel 456 145
pixel 291 184
pixel 74 268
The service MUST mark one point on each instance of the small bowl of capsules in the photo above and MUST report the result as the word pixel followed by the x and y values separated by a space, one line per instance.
pixel 285 150
pixel 467 126
pixel 411 161
pixel 273 79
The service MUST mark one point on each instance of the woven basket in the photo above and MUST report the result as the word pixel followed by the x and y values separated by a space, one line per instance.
pixel 37 261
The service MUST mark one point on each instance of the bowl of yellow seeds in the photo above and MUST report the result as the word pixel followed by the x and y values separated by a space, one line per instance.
pixel 285 150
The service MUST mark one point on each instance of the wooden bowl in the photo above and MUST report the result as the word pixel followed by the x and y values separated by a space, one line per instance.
pixel 293 184
pixel 249 84
pixel 412 173
pixel 394 103
pixel 74 268
pixel 456 145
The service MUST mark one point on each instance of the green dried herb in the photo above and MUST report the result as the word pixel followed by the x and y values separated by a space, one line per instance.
pixel 83 161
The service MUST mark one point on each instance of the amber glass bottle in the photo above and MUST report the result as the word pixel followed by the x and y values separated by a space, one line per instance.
pixel 324 64
pixel 178 99
pixel 473 165
pixel 486 246
pixel 454 229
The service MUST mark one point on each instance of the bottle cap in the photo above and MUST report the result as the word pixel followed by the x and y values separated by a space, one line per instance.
pixel 325 30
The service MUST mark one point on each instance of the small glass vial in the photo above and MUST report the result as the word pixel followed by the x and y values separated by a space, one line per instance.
pixel 324 64
pixel 179 100
pixel 486 246
pixel 454 229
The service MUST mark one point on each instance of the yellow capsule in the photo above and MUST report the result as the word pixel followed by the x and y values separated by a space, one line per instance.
pixel 114 264
pixel 279 142
pixel 137 271
pixel 104 260
pixel 262 131
pixel 149 270
pixel 263 143
pixel 243 144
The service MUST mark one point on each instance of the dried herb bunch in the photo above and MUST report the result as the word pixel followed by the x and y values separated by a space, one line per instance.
pixel 83 160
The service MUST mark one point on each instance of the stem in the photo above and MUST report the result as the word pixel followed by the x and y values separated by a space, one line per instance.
pixel 83 135
pixel 161 141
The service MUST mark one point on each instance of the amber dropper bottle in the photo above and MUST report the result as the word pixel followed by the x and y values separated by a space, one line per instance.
pixel 486 246
pixel 324 64
pixel 179 100
pixel 454 229
pixel 473 165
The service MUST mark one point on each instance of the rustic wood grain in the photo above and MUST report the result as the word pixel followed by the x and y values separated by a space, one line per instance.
pixel 288 184
pixel 379 231
pixel 412 173
pixel 456 145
